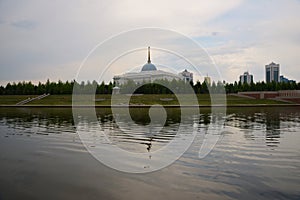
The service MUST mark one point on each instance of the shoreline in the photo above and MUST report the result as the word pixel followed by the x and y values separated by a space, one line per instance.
pixel 147 106
pixel 143 101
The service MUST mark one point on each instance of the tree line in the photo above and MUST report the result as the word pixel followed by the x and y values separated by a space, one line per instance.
pixel 261 86
pixel 158 87
pixel 179 86
pixel 28 88
pixel 161 86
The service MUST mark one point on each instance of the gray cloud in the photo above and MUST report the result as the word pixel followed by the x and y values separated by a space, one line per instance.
pixel 49 39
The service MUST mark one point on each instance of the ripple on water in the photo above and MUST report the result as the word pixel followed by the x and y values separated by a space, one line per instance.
pixel 257 157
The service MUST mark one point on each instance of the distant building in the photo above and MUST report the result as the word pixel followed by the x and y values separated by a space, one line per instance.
pixel 207 80
pixel 187 76
pixel 149 73
pixel 286 80
pixel 272 72
pixel 246 78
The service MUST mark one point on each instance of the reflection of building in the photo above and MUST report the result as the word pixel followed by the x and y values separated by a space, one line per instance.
pixel 207 80
pixel 272 72
pixel 149 73
pixel 272 123
pixel 246 78
pixel 286 80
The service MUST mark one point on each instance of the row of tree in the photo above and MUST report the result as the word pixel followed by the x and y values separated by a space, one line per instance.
pixel 178 86
pixel 28 88
pixel 261 86
pixel 162 86
pixel 158 87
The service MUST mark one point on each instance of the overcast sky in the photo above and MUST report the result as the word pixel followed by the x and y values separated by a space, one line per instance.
pixel 49 39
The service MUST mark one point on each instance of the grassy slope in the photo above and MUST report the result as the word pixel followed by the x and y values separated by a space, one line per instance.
pixel 203 99
pixel 13 99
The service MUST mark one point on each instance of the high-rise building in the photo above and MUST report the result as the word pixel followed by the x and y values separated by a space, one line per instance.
pixel 246 78
pixel 272 72
pixel 207 80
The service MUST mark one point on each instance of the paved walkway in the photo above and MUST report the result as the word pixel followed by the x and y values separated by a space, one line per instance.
pixel 32 99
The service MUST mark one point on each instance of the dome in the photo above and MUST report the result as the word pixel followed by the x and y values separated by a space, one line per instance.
pixel 149 67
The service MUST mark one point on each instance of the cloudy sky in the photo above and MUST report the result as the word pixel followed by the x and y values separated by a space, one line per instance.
pixel 50 39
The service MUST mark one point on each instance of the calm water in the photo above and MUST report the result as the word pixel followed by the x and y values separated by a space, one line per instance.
pixel 41 157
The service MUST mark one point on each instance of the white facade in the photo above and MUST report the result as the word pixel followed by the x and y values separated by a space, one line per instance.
pixel 149 73
pixel 187 76
pixel 246 78
pixel 145 76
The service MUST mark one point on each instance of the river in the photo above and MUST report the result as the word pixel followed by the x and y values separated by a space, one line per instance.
pixel 42 157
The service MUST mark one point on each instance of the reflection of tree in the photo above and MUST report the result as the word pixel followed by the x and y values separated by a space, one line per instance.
pixel 250 119
pixel 28 118
pixel 205 116
pixel 139 128
pixel 141 115
pixel 247 119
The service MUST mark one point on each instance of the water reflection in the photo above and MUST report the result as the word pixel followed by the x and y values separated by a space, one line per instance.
pixel 272 129
pixel 263 122
pixel 255 123
pixel 257 159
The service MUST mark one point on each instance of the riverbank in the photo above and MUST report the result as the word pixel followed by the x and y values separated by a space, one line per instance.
pixel 147 106
pixel 147 100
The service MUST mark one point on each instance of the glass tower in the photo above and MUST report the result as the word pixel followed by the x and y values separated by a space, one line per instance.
pixel 272 72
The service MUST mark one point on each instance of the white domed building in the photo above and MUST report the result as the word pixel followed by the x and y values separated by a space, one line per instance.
pixel 150 73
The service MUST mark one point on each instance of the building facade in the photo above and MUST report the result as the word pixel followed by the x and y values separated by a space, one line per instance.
pixel 272 72
pixel 246 78
pixel 286 80
pixel 207 80
pixel 186 76
pixel 150 73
